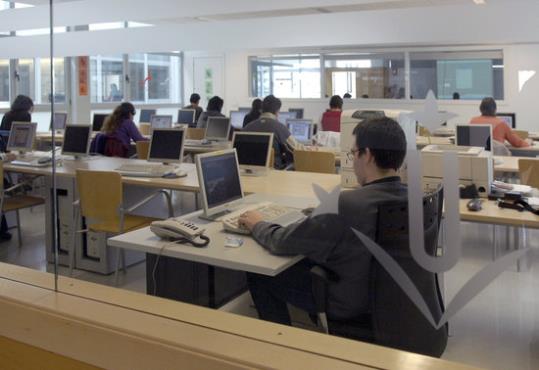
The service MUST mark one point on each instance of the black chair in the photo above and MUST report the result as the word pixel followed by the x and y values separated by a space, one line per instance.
pixel 394 320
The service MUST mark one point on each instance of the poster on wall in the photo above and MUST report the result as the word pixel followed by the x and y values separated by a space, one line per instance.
pixel 83 75
pixel 208 83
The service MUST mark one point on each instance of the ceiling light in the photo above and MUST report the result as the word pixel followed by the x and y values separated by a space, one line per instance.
pixel 480 2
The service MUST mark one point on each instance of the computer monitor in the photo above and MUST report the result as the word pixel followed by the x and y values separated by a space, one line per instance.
pixel 474 135
pixel 58 121
pixel 237 117
pixel 160 121
pixel 166 145
pixel 146 115
pixel 299 112
pixel 21 136
pixel 98 120
pixel 77 140
pixel 301 129
pixel 244 109
pixel 187 116
pixel 253 150
pixel 368 114
pixel 285 116
pixel 218 128
pixel 219 178
pixel 510 119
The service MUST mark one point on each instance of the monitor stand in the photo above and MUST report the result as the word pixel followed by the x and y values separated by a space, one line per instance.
pixel 215 217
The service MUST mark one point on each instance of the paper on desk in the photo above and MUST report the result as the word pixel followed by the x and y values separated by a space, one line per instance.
pixel 533 201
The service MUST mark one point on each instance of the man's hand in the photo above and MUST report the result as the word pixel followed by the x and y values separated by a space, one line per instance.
pixel 249 219
pixel 10 157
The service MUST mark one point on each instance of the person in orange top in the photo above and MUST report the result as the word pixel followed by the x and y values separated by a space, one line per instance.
pixel 500 131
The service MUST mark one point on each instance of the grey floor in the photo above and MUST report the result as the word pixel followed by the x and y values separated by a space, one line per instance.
pixel 499 329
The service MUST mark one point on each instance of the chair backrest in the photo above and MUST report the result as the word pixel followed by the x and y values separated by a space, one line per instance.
pixel 500 149
pixel 144 128
pixel 424 131
pixel 314 161
pixel 97 146
pixel 522 134
pixel 397 322
pixel 143 148
pixel 195 133
pixel 100 194
pixel 115 148
pixel 528 170
pixel 331 121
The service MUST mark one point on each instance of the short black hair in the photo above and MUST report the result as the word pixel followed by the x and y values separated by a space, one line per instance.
pixel 271 104
pixel 456 96
pixel 385 139
pixel 22 103
pixel 215 104
pixel 335 102
pixel 195 98
pixel 347 96
pixel 488 107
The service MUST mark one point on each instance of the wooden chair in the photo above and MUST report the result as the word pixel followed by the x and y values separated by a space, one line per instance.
pixel 101 204
pixel 314 161
pixel 272 159
pixel 529 172
pixel 195 133
pixel 424 131
pixel 522 134
pixel 12 202
pixel 144 128
pixel 143 148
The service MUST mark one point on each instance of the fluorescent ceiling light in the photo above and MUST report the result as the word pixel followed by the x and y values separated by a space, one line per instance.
pixel 40 31
pixel 480 2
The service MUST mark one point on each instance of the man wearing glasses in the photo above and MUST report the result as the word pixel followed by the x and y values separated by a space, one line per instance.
pixel 328 240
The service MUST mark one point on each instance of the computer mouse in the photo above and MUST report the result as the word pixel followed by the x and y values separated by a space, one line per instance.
pixel 474 205
pixel 170 175
pixel 44 160
pixel 308 211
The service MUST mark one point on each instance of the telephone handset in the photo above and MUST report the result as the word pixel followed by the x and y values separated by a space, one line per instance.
pixel 180 230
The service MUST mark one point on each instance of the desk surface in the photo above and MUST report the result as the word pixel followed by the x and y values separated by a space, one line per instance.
pixel 250 257
pixel 492 214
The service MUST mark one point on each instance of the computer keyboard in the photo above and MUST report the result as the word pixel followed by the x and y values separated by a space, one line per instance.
pixel 197 142
pixel 271 213
pixel 33 161
pixel 148 170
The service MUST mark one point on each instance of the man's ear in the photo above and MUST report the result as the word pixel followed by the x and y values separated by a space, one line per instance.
pixel 368 156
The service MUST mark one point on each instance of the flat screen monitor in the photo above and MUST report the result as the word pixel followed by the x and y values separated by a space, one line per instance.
pixel 285 116
pixel 146 115
pixel 474 135
pixel 510 119
pixel 186 116
pixel 166 145
pixel 59 120
pixel 236 118
pixel 76 140
pixel 301 129
pixel 21 136
pixel 98 120
pixel 253 149
pixel 160 121
pixel 244 109
pixel 219 177
pixel 368 114
pixel 299 112
pixel 218 128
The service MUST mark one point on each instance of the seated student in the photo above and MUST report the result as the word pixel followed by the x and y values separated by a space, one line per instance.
pixel 331 119
pixel 21 111
pixel 283 142
pixel 500 131
pixel 194 100
pixel 254 114
pixel 212 110
pixel 120 129
pixel 327 240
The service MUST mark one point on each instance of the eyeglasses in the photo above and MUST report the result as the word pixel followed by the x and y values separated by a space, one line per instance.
pixel 351 154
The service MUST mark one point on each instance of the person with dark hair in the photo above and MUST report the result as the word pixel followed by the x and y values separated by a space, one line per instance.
pixel 254 114
pixel 347 96
pixel 120 129
pixel 500 130
pixel 327 239
pixel 213 109
pixel 284 143
pixel 195 100
pixel 456 96
pixel 21 111
pixel 331 119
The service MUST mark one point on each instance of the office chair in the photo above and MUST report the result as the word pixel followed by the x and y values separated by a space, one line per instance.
pixel 143 148
pixel 10 201
pixel 314 161
pixel 144 128
pixel 101 204
pixel 528 170
pixel 393 320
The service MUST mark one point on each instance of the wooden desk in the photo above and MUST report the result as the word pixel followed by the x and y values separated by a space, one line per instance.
pixel 508 164
pixel 289 183
pixel 423 141
pixel 492 214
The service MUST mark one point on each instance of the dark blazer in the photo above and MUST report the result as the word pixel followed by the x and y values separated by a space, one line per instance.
pixel 14 116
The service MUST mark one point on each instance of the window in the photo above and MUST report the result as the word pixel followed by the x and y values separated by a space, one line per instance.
pixel 106 78
pixel 473 75
pixel 35 82
pixel 286 76
pixel 4 83
pixel 378 76
pixel 155 78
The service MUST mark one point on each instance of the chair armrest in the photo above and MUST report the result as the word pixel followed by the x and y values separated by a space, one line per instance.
pixel 15 187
